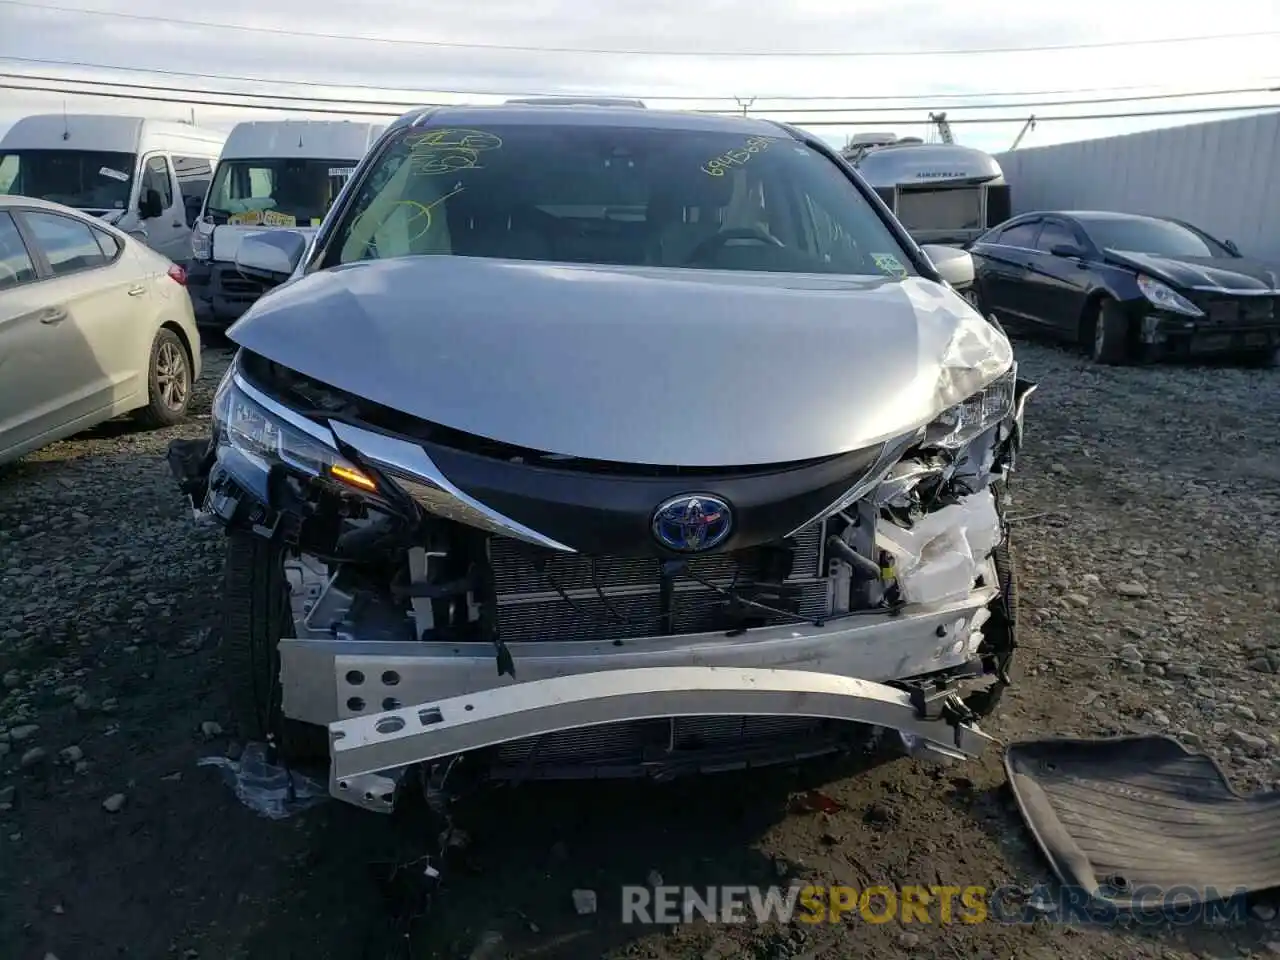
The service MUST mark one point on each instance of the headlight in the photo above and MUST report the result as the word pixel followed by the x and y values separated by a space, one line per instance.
pixel 962 423
pixel 201 244
pixel 265 437
pixel 1166 298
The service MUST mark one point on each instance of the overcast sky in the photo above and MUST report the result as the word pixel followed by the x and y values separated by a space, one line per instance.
pixel 408 72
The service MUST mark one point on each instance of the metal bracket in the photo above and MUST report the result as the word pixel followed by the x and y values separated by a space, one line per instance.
pixel 371 791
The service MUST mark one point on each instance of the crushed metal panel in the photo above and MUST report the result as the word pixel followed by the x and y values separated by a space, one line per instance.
pixel 429 731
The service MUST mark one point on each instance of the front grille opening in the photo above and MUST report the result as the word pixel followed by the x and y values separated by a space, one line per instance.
pixel 695 744
pixel 543 595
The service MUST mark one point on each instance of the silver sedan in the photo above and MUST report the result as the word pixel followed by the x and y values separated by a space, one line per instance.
pixel 93 325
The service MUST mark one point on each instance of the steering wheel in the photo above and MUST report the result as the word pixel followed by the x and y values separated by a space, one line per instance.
pixel 715 241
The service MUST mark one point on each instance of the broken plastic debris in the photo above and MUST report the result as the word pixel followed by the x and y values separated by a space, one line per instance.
pixel 941 555
pixel 814 801
pixel 267 789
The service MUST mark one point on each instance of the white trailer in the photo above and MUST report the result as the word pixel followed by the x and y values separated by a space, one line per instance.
pixel 943 193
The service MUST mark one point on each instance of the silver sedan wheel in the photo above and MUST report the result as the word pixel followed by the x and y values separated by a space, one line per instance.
pixel 173 376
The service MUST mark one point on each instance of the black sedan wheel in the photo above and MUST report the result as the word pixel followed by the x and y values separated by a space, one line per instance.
pixel 1110 329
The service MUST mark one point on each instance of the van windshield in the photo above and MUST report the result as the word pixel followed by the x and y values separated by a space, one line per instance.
pixel 91 180
pixel 282 192
pixel 626 195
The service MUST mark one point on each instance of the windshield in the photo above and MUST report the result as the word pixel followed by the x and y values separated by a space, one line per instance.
pixel 282 192
pixel 616 195
pixel 85 179
pixel 1162 238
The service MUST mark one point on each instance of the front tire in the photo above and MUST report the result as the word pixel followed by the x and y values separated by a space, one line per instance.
pixel 169 381
pixel 255 615
pixel 1004 617
pixel 1110 330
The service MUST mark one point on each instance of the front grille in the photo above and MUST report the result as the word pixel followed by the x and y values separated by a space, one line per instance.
pixel 232 284
pixel 623 599
pixel 1242 311
pixel 611 598
pixel 622 749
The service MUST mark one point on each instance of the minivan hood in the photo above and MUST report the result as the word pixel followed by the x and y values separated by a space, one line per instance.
pixel 677 367
pixel 1230 274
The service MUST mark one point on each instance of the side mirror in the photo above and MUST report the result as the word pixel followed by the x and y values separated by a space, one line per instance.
pixel 150 206
pixel 272 255
pixel 1068 250
pixel 1231 245
pixel 955 265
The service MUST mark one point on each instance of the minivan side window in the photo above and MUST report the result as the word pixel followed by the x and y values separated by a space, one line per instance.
pixel 15 263
pixel 156 177
pixel 194 175
pixel 68 244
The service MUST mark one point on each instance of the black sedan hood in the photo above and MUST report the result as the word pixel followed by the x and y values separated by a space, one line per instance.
pixel 1229 274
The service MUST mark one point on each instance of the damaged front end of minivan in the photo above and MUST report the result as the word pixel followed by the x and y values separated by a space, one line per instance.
pixel 426 593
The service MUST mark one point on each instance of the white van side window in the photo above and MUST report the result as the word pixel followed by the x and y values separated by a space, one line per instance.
pixel 194 174
pixel 156 177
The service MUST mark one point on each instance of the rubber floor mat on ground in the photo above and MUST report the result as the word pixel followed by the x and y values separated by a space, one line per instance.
pixel 1129 816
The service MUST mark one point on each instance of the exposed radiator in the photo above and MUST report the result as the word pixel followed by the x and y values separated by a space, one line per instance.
pixel 622 597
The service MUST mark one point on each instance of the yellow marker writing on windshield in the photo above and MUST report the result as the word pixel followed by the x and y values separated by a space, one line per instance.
pixel 420 211
pixel 449 150
pixel 716 166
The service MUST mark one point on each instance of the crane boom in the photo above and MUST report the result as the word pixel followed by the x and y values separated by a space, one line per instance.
pixel 939 120
pixel 1029 125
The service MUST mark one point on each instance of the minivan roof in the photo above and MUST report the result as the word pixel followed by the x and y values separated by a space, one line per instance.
pixel 318 139
pixel 106 132
pixel 587 115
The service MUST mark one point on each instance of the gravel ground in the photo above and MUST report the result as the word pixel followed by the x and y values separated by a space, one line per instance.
pixel 1149 517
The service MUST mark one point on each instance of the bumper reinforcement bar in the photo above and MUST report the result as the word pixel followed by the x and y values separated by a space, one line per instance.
pixel 429 731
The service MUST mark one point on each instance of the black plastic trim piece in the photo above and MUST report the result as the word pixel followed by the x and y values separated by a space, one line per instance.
pixel 607 514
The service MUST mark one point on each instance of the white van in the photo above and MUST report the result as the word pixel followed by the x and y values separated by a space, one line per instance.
pixel 146 177
pixel 272 173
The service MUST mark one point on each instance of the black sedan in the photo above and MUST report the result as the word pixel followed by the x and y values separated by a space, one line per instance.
pixel 1128 288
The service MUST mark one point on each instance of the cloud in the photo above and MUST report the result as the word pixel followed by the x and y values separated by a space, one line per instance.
pixel 408 72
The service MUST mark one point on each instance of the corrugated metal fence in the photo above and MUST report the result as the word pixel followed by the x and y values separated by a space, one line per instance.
pixel 1223 176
